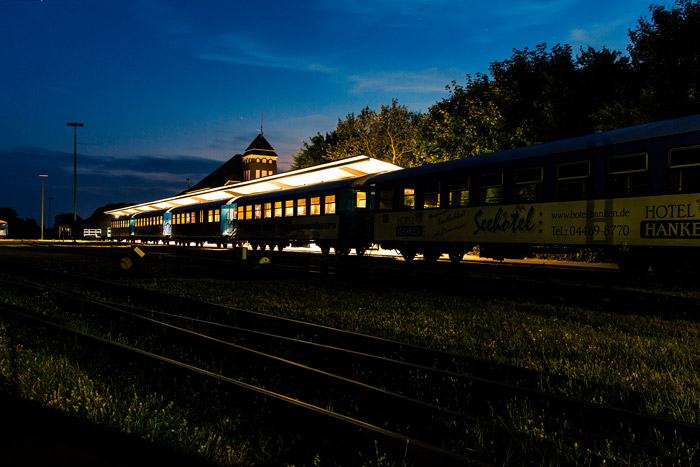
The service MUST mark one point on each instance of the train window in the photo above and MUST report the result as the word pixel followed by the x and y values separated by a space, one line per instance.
pixel 258 211
pixel 459 191
pixel 431 195
pixel 409 197
pixel 193 217
pixel 573 180
pixel 241 212
pixel 491 188
pixel 684 170
pixel 361 199
pixel 528 185
pixel 627 175
pixel 386 198
pixel 289 208
pixel 249 211
pixel 329 204
pixel 267 210
pixel 301 207
pixel 278 208
pixel 210 215
pixel 315 206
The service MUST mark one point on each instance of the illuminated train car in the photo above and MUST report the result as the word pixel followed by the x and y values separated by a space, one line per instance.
pixel 3 229
pixel 213 222
pixel 122 228
pixel 634 192
pixel 332 215
pixel 148 226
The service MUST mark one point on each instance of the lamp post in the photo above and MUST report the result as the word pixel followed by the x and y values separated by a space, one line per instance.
pixel 75 170
pixel 43 177
pixel 50 223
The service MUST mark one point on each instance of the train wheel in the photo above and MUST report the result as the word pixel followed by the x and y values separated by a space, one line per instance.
pixel 456 257
pixel 633 263
pixel 325 250
pixel 431 256
pixel 360 251
pixel 407 254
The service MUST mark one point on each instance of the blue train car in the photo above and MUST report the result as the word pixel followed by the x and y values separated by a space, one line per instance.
pixel 332 215
pixel 634 192
pixel 4 231
pixel 213 222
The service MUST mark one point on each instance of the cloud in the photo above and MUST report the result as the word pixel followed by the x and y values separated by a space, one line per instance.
pixel 245 49
pixel 427 81
pixel 602 34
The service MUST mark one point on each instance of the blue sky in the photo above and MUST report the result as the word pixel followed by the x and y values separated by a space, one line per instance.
pixel 170 89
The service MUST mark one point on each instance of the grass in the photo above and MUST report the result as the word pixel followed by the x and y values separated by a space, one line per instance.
pixel 650 356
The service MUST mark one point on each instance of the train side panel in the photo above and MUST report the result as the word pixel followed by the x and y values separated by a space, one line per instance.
pixel 671 221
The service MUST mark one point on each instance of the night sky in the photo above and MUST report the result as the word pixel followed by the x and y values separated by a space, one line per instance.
pixel 169 90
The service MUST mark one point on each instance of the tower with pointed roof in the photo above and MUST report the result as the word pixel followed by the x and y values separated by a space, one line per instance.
pixel 259 159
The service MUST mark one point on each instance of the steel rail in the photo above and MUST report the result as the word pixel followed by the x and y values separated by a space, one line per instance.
pixel 347 429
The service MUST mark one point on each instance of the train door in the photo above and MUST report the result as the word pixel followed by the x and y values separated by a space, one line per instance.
pixel 228 218
pixel 132 224
pixel 167 224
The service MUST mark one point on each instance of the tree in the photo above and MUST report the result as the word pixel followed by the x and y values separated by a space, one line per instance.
pixel 66 219
pixel 665 52
pixel 467 123
pixel 386 135
pixel 19 228
pixel 316 152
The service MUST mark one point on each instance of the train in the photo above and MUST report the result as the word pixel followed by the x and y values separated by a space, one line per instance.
pixel 3 229
pixel 632 193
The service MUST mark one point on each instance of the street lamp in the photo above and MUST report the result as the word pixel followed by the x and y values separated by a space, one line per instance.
pixel 75 170
pixel 43 177
pixel 50 223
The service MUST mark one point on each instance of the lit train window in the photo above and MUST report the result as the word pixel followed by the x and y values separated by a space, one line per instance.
pixel 210 215
pixel 409 198
pixel 289 208
pixel 361 200
pixel 684 170
pixel 528 185
pixel 573 180
pixel 431 195
pixel 329 204
pixel 278 208
pixel 491 188
pixel 241 212
pixel 627 175
pixel 267 211
pixel 249 211
pixel 459 191
pixel 301 207
pixel 315 206
pixel 258 211
pixel 217 215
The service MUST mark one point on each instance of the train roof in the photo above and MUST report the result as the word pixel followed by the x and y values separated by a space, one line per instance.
pixel 327 186
pixel 597 140
pixel 335 170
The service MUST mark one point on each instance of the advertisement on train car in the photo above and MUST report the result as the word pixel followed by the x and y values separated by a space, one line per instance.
pixel 672 220
pixel 314 228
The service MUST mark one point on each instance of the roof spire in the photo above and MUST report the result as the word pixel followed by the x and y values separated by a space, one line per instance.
pixel 261 124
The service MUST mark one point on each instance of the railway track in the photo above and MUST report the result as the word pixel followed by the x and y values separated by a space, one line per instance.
pixel 415 393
